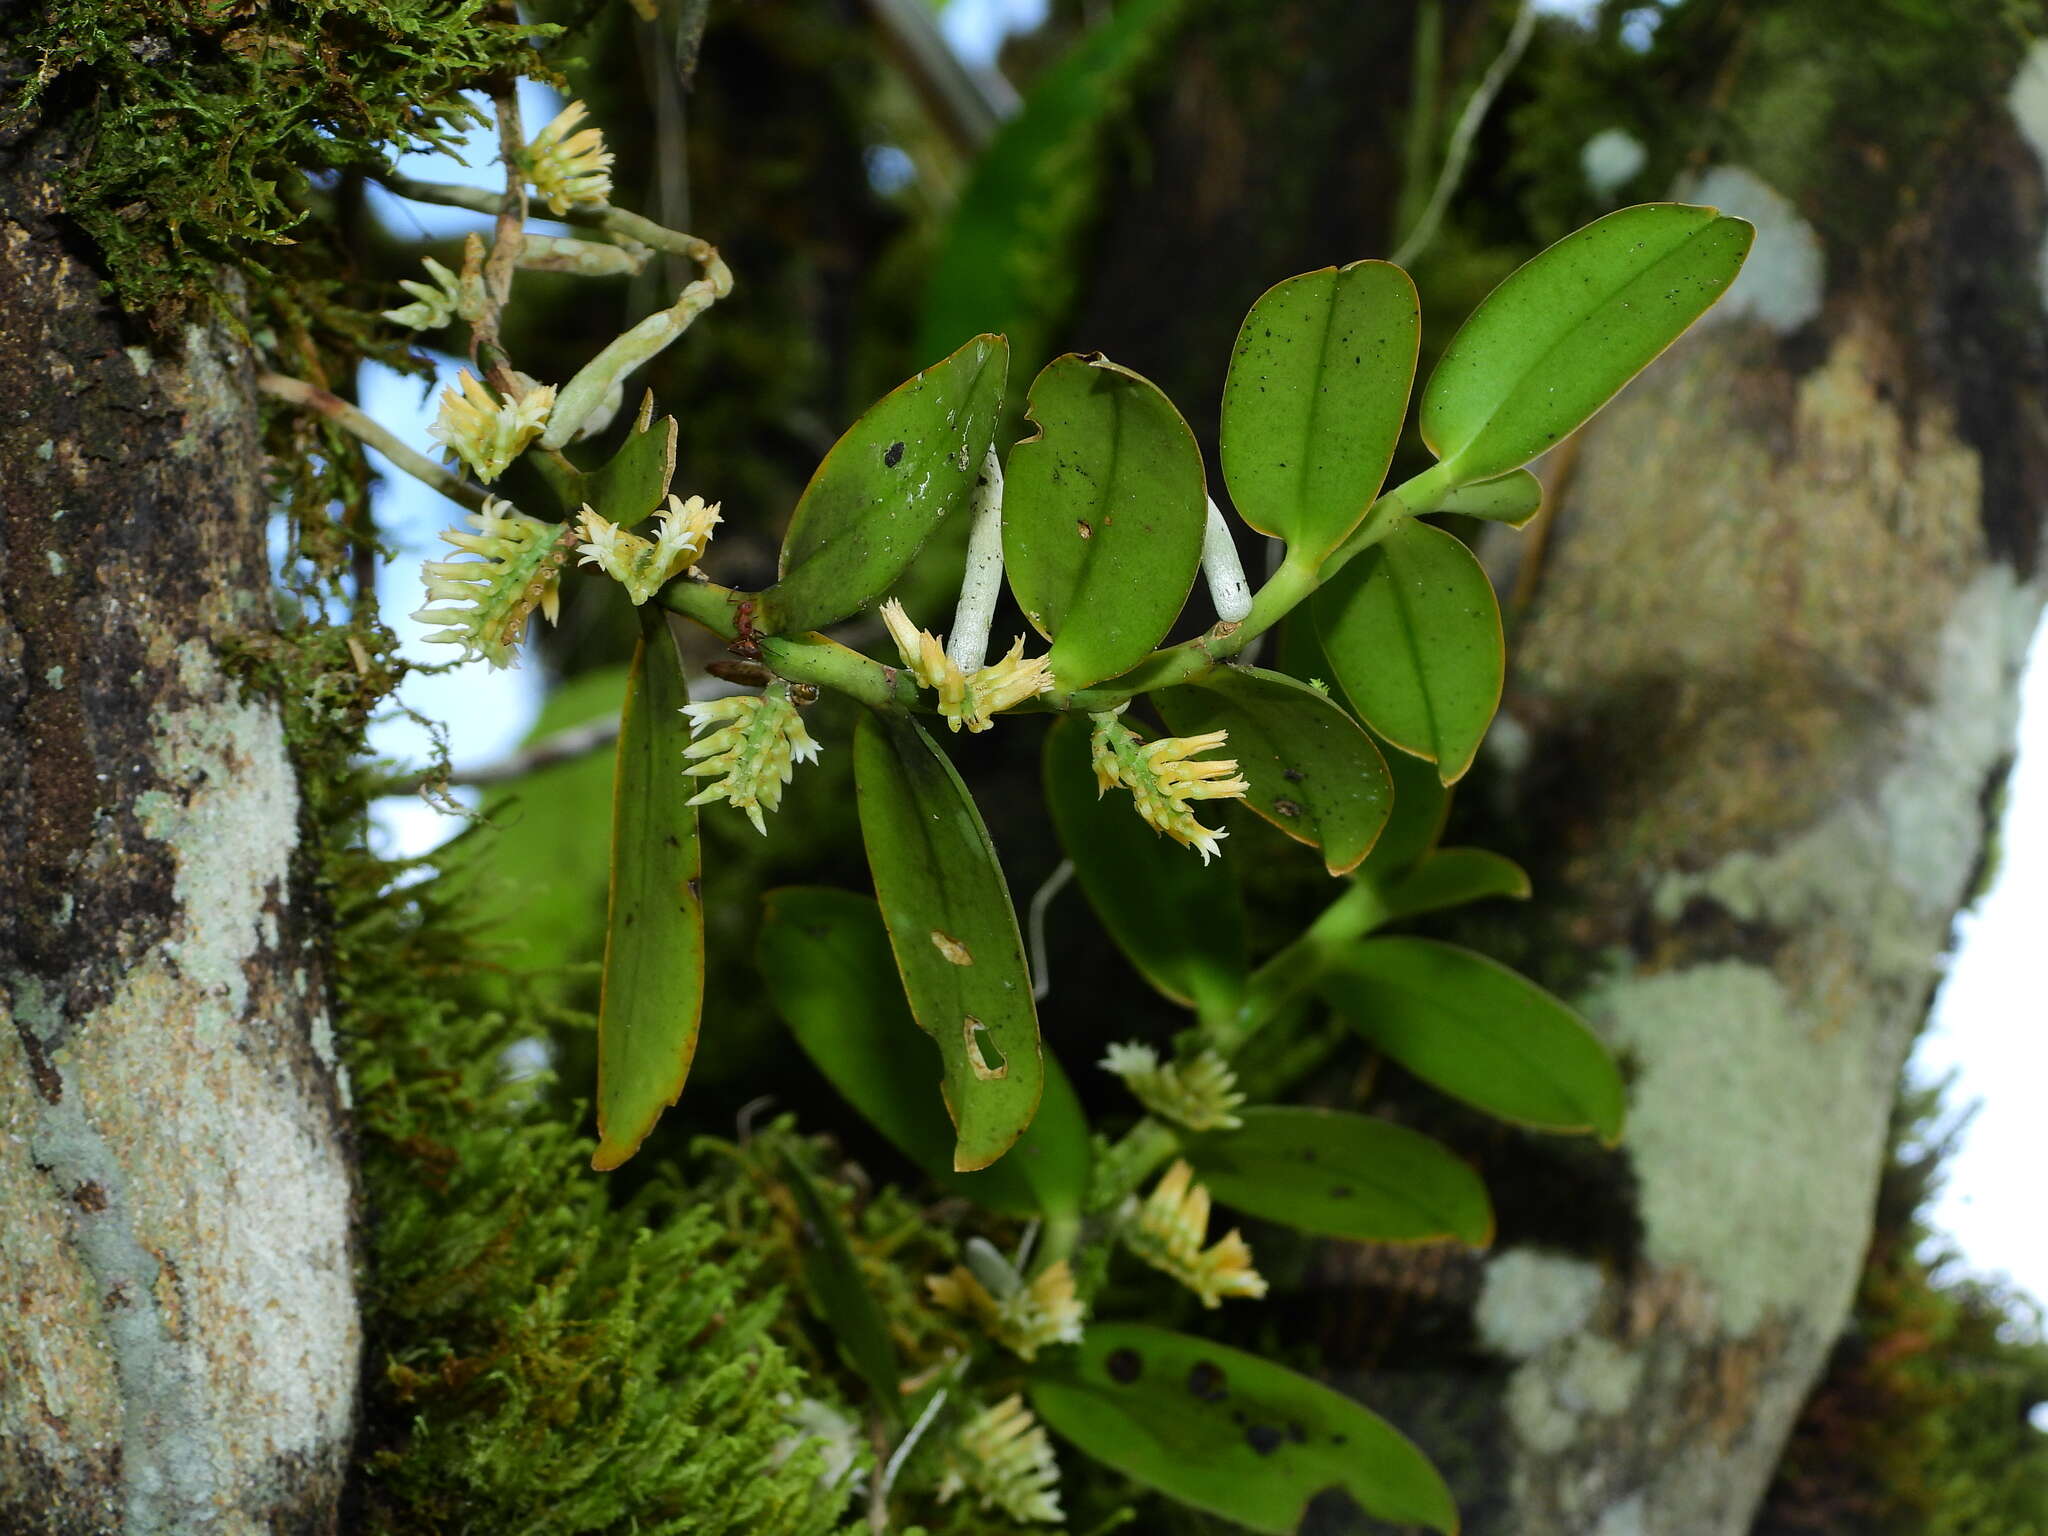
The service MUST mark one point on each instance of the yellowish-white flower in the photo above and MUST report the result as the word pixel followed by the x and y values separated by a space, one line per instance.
pixel 569 166
pixel 434 304
pixel 484 432
pixel 643 566
pixel 1198 1096
pixel 1164 776
pixel 970 700
pixel 755 741
pixel 489 599
pixel 1024 1321
pixel 1167 1231
pixel 1002 1453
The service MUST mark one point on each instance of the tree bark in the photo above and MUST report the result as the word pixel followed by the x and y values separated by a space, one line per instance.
pixel 178 1337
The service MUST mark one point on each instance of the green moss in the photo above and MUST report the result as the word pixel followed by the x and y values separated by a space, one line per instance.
pixel 207 123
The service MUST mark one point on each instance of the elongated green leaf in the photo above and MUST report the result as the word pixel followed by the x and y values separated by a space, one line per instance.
pixel 896 475
pixel 1178 920
pixel 631 484
pixel 1314 773
pixel 1413 633
pixel 1103 514
pixel 1552 344
pixel 654 934
pixel 1511 499
pixel 825 957
pixel 1313 406
pixel 1453 877
pixel 1010 260
pixel 1480 1033
pixel 953 933
pixel 1342 1175
pixel 840 1292
pixel 1230 1433
pixel 1422 804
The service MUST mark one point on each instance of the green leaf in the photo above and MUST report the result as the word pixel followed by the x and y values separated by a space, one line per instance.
pixel 1009 260
pixel 1552 344
pixel 1230 1433
pixel 1511 499
pixel 654 933
pixel 1480 1033
pixel 1422 804
pixel 1313 406
pixel 898 473
pixel 1343 1175
pixel 954 935
pixel 1453 877
pixel 1413 633
pixel 1103 515
pixel 632 484
pixel 1314 773
pixel 825 957
pixel 840 1292
pixel 1178 920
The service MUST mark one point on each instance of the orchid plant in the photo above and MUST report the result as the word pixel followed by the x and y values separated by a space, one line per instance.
pixel 1100 520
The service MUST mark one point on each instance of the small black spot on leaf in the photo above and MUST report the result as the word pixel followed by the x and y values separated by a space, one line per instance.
pixel 1263 1438
pixel 1207 1383
pixel 892 455
pixel 1124 1366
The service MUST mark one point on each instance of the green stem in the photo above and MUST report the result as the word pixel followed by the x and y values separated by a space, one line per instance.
pixel 1291 972
pixel 806 658
pixel 1130 1162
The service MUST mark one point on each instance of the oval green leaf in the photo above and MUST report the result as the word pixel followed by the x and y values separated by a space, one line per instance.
pixel 1557 340
pixel 1313 771
pixel 953 932
pixel 1511 499
pixel 840 1294
pixel 1313 406
pixel 654 931
pixel 1178 920
pixel 1230 1433
pixel 1343 1175
pixel 1453 877
pixel 898 473
pixel 1103 514
pixel 825 958
pixel 1413 634
pixel 1479 1032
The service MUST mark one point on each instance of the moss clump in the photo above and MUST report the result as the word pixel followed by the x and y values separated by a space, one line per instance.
pixel 207 124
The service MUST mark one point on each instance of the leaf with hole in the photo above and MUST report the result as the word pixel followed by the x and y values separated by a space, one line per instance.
pixel 1178 920
pixel 1313 771
pixel 1480 1033
pixel 1343 1175
pixel 1567 329
pixel 1511 499
pixel 953 932
pixel 653 989
pixel 1230 1433
pixel 1313 405
pixel 1413 634
pixel 826 960
pixel 1103 514
pixel 839 1292
pixel 898 473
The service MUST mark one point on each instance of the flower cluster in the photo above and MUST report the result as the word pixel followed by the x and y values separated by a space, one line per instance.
pixel 484 432
pixel 1163 776
pixel 1199 1096
pixel 1168 1230
pixel 1025 1318
pixel 519 570
pixel 434 305
pixel 964 699
pixel 642 566
pixel 758 740
pixel 1002 1453
pixel 568 167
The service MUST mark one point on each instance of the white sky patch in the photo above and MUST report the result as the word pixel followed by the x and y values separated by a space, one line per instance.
pixel 978 28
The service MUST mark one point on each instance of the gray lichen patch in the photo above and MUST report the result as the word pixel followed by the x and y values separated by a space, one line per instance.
pixel 1531 1299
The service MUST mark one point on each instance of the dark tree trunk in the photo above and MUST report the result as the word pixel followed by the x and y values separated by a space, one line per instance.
pixel 178 1336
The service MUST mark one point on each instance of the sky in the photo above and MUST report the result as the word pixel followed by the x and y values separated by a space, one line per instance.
pixel 1989 1032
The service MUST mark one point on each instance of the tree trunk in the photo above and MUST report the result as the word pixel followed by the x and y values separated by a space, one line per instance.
pixel 178 1340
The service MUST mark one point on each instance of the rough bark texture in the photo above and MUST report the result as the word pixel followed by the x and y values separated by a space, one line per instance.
pixel 178 1333
pixel 1762 698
